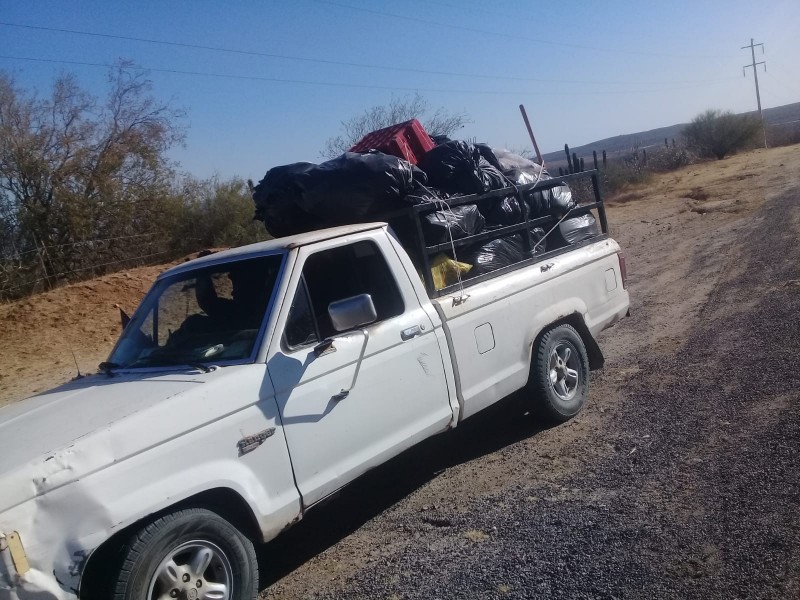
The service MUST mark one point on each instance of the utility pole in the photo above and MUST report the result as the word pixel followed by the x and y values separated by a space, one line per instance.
pixel 752 47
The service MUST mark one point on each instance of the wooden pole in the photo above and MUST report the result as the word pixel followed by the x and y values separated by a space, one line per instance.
pixel 530 133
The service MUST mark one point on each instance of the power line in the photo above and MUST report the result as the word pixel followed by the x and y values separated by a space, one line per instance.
pixel 532 17
pixel 340 84
pixel 333 62
pixel 504 35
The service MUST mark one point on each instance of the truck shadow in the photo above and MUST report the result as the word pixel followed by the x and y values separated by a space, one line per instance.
pixel 496 427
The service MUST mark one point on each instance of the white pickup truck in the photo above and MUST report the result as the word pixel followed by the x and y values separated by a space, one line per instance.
pixel 253 383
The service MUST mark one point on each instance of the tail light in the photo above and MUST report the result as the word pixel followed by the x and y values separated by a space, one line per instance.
pixel 623 270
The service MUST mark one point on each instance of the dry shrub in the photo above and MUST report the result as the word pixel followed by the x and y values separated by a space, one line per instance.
pixel 716 133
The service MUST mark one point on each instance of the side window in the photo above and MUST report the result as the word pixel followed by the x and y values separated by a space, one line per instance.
pixel 343 272
pixel 301 330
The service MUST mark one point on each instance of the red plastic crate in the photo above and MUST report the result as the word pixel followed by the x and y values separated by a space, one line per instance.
pixel 407 140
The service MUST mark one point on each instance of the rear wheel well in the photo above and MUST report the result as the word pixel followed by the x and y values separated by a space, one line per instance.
pixel 98 575
pixel 596 359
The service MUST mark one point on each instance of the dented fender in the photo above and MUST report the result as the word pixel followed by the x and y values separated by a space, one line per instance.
pixel 167 439
pixel 60 530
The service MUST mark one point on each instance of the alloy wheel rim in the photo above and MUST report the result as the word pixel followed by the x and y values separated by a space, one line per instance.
pixel 563 368
pixel 195 570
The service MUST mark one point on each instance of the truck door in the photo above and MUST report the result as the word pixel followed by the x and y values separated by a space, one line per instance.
pixel 400 395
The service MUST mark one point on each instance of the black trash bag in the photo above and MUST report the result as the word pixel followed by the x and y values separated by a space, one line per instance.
pixel 538 202
pixel 488 155
pixel 347 188
pixel 501 211
pixel 492 177
pixel 277 199
pixel 573 230
pixel 555 202
pixel 457 166
pixel 461 221
pixel 425 194
pixel 440 139
pixel 502 252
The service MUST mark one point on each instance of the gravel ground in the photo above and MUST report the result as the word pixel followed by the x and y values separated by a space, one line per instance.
pixel 681 480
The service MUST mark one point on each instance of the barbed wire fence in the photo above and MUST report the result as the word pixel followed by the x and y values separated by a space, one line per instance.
pixel 45 267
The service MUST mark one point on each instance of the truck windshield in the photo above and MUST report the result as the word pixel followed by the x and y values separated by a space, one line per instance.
pixel 208 315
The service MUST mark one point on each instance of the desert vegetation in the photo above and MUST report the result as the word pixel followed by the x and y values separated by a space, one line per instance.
pixel 717 134
pixel 86 185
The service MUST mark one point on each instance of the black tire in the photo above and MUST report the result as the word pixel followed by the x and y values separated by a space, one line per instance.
pixel 192 533
pixel 552 401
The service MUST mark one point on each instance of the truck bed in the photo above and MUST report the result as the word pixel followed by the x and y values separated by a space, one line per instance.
pixel 409 221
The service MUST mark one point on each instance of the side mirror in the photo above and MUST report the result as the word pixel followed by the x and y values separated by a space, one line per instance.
pixel 349 313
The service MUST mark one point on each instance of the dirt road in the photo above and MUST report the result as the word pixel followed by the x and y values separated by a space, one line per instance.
pixel 681 479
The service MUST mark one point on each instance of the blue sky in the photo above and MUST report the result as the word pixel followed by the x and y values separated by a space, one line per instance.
pixel 584 70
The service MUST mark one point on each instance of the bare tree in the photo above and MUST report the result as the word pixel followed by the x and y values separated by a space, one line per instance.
pixel 73 168
pixel 437 122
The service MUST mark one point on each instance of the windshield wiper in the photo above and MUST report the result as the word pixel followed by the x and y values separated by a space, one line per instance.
pixel 167 360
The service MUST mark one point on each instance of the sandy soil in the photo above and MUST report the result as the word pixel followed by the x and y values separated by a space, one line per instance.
pixel 40 334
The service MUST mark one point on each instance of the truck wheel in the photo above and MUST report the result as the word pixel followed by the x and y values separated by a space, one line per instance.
pixel 559 379
pixel 189 554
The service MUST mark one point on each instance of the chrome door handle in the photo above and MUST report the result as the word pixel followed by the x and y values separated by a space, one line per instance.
pixel 411 332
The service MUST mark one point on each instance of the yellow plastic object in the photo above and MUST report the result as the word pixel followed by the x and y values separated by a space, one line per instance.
pixel 445 270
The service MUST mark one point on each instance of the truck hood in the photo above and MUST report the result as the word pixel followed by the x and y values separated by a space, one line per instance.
pixel 52 439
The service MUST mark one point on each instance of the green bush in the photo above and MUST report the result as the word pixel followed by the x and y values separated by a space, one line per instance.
pixel 213 213
pixel 716 133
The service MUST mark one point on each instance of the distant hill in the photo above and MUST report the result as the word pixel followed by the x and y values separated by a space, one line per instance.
pixel 614 146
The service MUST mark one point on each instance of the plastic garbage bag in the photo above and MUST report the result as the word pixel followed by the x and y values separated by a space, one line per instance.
pixel 555 202
pixel 302 197
pixel 561 201
pixel 524 177
pixel 426 194
pixel 501 211
pixel 510 160
pixel 492 177
pixel 487 153
pixel 573 230
pixel 457 166
pixel 502 252
pixel 277 201
pixel 354 185
pixel 458 222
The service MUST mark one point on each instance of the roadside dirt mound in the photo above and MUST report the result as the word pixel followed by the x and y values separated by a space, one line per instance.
pixel 40 333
